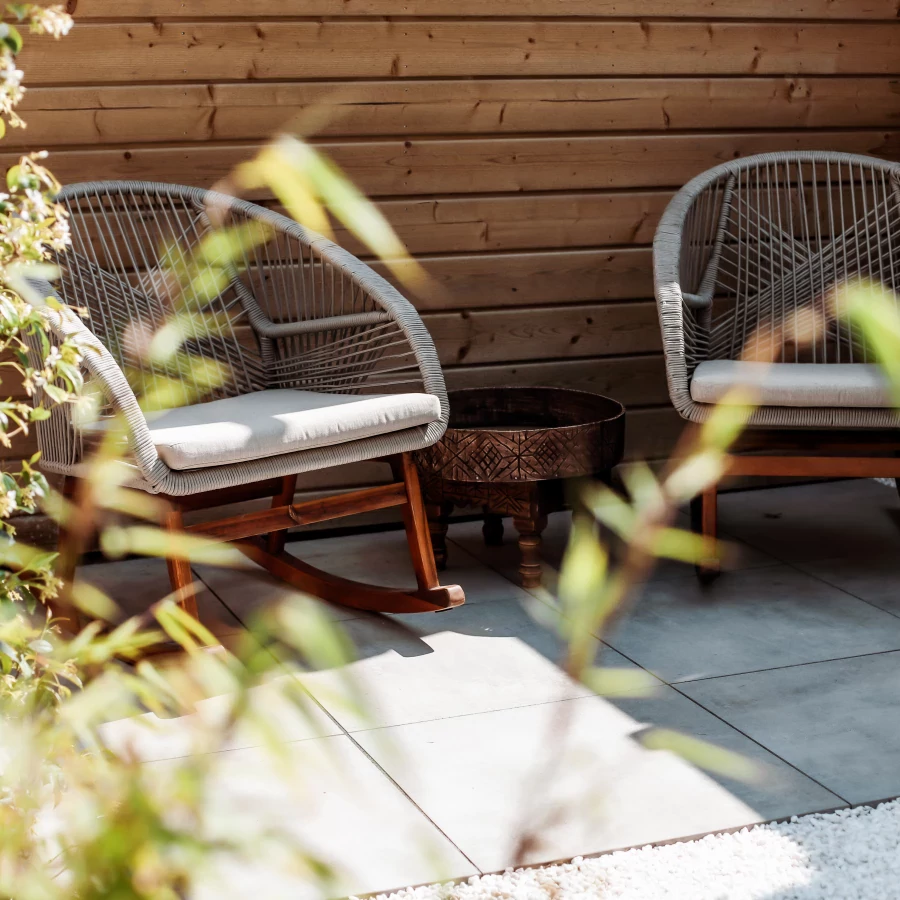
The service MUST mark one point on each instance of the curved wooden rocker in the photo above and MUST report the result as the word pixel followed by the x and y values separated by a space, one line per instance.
pixel 325 363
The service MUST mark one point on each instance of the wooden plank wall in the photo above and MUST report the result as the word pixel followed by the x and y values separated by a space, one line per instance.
pixel 524 149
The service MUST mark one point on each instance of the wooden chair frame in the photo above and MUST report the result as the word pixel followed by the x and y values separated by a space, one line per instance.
pixel 816 453
pixel 295 312
pixel 261 536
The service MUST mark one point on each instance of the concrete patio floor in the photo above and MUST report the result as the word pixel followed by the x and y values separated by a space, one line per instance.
pixel 473 736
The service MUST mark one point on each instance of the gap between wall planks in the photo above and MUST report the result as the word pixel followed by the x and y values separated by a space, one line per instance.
pixel 525 149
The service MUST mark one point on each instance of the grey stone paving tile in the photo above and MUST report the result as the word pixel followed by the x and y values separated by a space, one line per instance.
pixel 341 808
pixel 756 619
pixel 136 584
pixel 856 519
pixel 567 774
pixel 383 558
pixel 837 721
pixel 484 656
pixel 505 559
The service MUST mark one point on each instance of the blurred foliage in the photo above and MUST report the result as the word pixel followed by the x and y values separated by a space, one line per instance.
pixel 81 819
pixel 78 818
pixel 601 574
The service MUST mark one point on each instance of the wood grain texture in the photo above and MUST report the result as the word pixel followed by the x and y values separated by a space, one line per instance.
pixel 651 433
pixel 634 381
pixel 422 167
pixel 525 149
pixel 741 9
pixel 546 221
pixel 292 49
pixel 527 279
pixel 520 221
pixel 173 113
pixel 516 335
pixel 22 447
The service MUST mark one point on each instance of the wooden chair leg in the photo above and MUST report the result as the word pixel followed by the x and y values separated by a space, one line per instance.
pixel 275 540
pixel 704 520
pixel 180 576
pixel 415 520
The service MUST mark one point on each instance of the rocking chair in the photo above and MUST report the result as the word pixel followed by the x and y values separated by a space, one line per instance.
pixel 745 258
pixel 325 363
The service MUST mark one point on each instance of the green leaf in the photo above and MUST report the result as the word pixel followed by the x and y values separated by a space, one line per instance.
pixel 728 419
pixel 13 174
pixel 8 651
pixel 207 284
pixel 702 753
pixel 229 245
pixel 147 541
pixel 187 623
pixel 93 601
pixel 610 509
pixel 584 592
pixel 685 546
pixel 305 626
pixel 643 487
pixel 620 682
pixel 874 311
pixel 12 39
pixel 696 473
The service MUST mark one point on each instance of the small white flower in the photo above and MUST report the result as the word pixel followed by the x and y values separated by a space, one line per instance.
pixel 52 20
pixel 7 504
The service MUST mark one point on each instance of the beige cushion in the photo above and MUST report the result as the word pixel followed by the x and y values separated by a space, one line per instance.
pixel 266 423
pixel 851 385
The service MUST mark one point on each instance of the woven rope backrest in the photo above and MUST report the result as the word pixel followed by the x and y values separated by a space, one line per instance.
pixel 125 241
pixel 350 343
pixel 768 242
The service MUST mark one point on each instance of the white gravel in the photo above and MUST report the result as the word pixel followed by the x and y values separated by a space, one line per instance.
pixel 844 855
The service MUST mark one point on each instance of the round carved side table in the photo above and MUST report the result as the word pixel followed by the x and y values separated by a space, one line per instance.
pixel 508 451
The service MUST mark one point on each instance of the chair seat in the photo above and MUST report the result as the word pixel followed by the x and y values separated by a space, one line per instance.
pixel 848 385
pixel 266 423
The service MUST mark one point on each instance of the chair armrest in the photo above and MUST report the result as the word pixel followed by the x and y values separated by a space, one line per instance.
pixel 313 326
pixel 686 255
pixel 61 447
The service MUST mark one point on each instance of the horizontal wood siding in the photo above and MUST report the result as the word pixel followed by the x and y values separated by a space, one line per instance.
pixel 132 10
pixel 383 48
pixel 524 149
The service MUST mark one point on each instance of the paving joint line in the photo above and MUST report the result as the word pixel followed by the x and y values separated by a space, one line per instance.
pixel 345 733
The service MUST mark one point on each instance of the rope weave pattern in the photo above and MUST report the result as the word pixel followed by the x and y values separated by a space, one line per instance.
pixel 298 312
pixel 761 242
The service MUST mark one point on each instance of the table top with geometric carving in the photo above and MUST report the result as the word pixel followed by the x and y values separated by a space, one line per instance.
pixel 511 434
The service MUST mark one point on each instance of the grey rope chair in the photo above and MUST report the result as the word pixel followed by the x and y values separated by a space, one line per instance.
pixel 746 256
pixel 325 363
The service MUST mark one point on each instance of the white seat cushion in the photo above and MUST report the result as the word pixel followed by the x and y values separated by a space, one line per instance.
pixel 267 423
pixel 849 385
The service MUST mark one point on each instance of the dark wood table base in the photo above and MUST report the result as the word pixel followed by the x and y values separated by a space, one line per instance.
pixel 511 451
pixel 528 503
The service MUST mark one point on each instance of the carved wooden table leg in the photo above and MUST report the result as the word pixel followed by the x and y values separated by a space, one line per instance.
pixel 492 529
pixel 530 547
pixel 438 514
